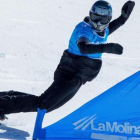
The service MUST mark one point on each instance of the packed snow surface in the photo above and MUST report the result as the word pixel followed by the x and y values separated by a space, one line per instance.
pixel 33 36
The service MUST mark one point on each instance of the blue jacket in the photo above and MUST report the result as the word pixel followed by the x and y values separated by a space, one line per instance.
pixel 85 30
pixel 74 63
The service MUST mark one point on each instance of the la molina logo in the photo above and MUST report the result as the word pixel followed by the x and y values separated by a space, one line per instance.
pixel 114 127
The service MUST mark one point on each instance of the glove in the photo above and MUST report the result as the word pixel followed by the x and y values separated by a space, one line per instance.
pixel 127 9
pixel 113 48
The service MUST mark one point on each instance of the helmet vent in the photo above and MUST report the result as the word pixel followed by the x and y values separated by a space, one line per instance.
pixel 102 7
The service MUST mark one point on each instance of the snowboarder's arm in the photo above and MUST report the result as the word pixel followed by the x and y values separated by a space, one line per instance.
pixel 115 24
pixel 126 11
pixel 86 48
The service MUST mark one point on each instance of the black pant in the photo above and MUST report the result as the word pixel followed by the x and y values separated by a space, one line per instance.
pixel 61 91
pixel 71 73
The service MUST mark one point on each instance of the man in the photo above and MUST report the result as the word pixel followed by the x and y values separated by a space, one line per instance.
pixel 80 63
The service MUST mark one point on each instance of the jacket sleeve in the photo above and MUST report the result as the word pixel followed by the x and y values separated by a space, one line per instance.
pixel 115 24
pixel 86 48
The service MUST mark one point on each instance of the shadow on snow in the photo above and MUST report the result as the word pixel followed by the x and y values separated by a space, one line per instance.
pixel 12 133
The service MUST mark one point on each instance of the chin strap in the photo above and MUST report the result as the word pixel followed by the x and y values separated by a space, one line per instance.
pixel 88 20
pixel 91 23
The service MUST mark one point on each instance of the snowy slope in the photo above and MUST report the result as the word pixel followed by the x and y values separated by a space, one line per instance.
pixel 33 36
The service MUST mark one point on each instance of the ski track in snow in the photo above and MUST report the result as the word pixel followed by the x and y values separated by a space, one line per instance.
pixel 24 21
pixel 33 37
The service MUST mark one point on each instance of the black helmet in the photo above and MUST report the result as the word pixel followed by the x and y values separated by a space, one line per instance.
pixel 100 15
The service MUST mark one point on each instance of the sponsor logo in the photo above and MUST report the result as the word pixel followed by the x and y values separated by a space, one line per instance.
pixel 88 123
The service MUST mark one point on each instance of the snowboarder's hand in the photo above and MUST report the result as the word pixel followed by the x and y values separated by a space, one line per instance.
pixel 114 48
pixel 127 9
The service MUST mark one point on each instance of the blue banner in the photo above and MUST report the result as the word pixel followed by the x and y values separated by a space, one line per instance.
pixel 113 115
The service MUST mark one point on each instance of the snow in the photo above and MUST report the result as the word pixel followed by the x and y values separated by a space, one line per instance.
pixel 33 36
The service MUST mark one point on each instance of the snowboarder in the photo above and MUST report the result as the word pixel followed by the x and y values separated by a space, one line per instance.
pixel 80 63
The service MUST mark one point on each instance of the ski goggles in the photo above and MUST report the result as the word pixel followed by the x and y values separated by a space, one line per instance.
pixel 98 26
pixel 103 19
